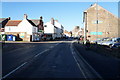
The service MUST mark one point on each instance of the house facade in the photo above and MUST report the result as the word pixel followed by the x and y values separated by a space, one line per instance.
pixel 100 23
pixel 53 28
pixel 67 33
pixel 25 30
pixel 3 22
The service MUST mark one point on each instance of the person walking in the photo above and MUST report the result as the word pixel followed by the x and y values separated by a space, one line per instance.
pixel 87 44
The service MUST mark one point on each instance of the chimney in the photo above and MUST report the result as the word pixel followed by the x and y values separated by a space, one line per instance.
pixel 40 25
pixel 25 16
pixel 8 18
pixel 56 20
pixel 41 18
pixel 52 21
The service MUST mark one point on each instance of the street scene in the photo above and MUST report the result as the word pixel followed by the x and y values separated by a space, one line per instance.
pixel 81 44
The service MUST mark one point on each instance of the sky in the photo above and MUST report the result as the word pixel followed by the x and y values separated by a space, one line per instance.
pixel 69 14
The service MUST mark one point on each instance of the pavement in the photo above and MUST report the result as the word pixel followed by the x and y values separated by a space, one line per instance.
pixel 56 59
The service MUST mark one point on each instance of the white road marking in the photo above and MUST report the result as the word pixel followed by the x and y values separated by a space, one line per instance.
pixel 46 50
pixel 77 62
pixel 57 44
pixel 27 62
pixel 52 46
pixel 87 64
pixel 14 70
pixel 90 67
pixel 41 52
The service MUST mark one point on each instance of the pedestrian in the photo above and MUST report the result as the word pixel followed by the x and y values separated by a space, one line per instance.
pixel 87 44
pixel 78 39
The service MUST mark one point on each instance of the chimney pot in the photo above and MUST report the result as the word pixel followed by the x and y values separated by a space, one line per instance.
pixel 8 18
pixel 41 18
pixel 25 16
pixel 52 21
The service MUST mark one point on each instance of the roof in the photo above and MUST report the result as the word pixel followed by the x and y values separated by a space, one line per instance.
pixel 35 21
pixel 2 19
pixel 3 22
pixel 16 22
pixel 13 22
pixel 31 22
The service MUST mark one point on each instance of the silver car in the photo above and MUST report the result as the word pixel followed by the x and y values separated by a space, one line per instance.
pixel 115 45
pixel 112 42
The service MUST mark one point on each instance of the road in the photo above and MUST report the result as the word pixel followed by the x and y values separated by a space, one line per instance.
pixel 59 59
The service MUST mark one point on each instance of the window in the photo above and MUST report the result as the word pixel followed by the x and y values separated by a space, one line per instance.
pixel 45 25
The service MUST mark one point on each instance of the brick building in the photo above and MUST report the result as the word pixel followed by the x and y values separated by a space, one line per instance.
pixel 100 23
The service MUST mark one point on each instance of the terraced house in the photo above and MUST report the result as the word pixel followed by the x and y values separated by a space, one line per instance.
pixel 100 23
pixel 26 29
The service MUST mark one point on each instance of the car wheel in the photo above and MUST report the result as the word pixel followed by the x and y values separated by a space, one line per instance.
pixel 110 46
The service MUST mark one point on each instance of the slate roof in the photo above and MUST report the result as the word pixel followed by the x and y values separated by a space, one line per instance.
pixel 2 19
pixel 3 22
pixel 32 22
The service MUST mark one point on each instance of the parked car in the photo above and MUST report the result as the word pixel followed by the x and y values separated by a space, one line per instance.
pixel 111 42
pixel 115 45
pixel 100 41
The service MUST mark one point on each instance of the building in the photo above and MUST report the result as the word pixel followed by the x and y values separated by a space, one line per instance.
pixel 75 31
pixel 3 22
pixel 100 23
pixel 67 33
pixel 53 29
pixel 26 29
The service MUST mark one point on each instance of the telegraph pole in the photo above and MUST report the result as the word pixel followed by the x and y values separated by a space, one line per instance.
pixel 97 20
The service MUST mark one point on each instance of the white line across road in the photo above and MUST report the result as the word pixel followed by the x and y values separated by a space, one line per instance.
pixel 14 70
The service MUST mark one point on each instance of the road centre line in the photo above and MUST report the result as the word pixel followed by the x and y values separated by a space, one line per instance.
pixel 25 63
pixel 14 70
pixel 41 52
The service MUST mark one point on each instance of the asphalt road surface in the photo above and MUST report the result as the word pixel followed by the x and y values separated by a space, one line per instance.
pixel 59 59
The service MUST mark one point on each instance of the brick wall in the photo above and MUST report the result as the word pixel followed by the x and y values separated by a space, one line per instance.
pixel 107 23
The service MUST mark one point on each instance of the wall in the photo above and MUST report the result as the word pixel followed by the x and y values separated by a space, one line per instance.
pixel 107 23
pixel 22 35
pixel 49 28
pixel 25 26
